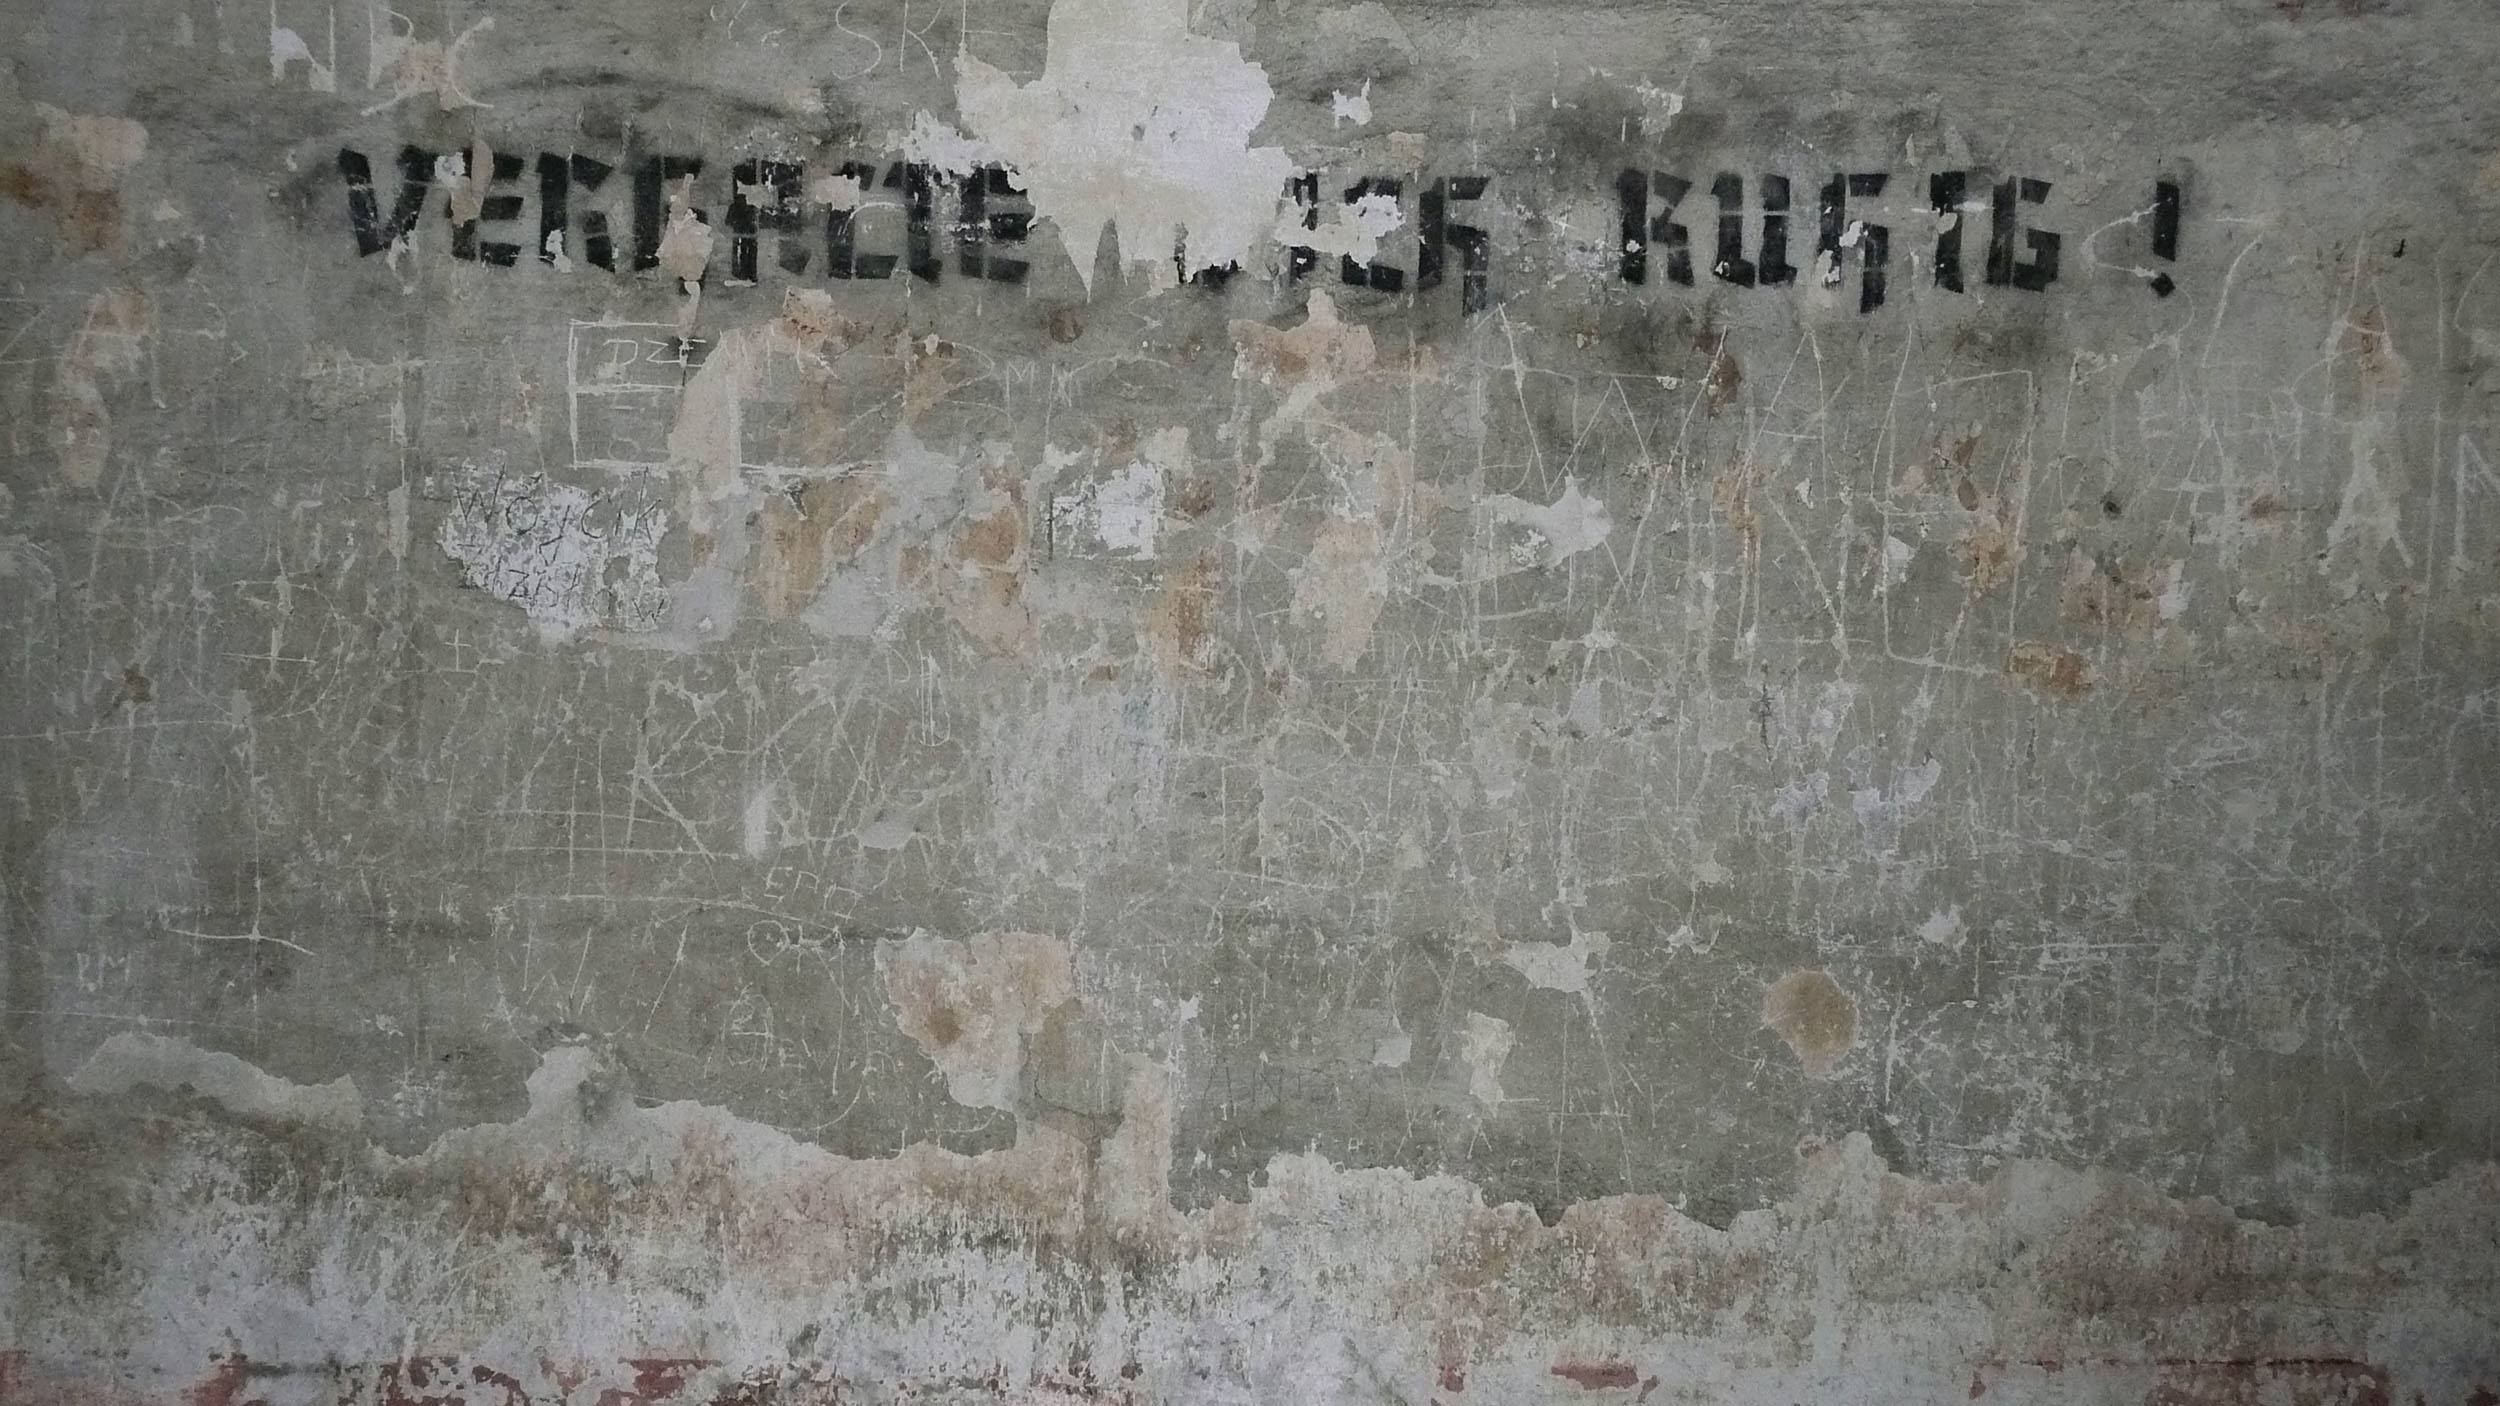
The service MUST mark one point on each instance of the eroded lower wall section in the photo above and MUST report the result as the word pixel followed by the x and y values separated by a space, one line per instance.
pixel 606 1251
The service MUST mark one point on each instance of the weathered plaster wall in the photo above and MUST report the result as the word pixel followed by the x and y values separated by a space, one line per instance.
pixel 1214 706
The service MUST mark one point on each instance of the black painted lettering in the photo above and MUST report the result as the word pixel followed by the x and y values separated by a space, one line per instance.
pixel 1435 234
pixel 1945 193
pixel 842 256
pixel 1643 232
pixel 918 181
pixel 982 225
pixel 373 233
pixel 2169 201
pixel 652 176
pixel 1376 275
pixel 2005 221
pixel 1303 190
pixel 1838 233
pixel 501 168
pixel 781 212
pixel 1772 270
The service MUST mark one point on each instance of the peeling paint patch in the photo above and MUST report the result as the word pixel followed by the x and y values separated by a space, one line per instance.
pixel 1139 124
pixel 1321 351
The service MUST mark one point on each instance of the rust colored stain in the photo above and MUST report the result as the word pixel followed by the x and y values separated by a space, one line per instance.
pixel 2299 1381
pixel 1599 1376
pixel 1725 377
pixel 1989 553
pixel 1732 493
pixel 2237 1381
pixel 223 1385
pixel 87 219
pixel 1321 349
pixel 986 595
pixel 808 531
pixel 2113 596
pixel 1178 624
pixel 2053 669
pixel 1815 1017
pixel 2381 369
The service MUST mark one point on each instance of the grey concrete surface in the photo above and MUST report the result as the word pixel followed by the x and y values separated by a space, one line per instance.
pixel 1112 700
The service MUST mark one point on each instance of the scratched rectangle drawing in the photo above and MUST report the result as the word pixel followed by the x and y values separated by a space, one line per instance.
pixel 624 382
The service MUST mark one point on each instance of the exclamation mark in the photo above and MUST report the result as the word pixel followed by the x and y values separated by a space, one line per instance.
pixel 2166 203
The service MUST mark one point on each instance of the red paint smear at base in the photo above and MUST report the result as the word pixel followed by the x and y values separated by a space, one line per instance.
pixel 1598 1376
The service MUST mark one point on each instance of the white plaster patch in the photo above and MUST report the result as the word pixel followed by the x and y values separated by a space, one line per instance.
pixel 1943 927
pixel 286 46
pixel 836 192
pixel 1797 801
pixel 1547 534
pixel 1881 811
pixel 130 1060
pixel 756 831
pixel 1354 231
pixel 1484 1046
pixel 571 562
pixel 1351 107
pixel 1558 966
pixel 1135 123
pixel 1659 107
pixel 1124 512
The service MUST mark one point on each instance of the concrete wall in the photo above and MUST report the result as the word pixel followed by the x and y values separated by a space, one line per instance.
pixel 1264 701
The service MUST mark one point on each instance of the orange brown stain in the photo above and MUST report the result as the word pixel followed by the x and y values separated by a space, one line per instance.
pixel 808 531
pixel 1725 375
pixel 1814 1016
pixel 2053 669
pixel 1177 627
